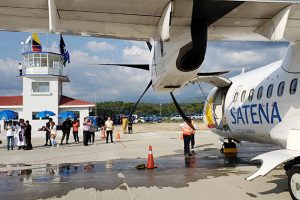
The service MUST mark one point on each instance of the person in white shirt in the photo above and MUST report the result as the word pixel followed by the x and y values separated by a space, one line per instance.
pixel 10 129
pixel 86 131
pixel 109 125
pixel 20 134
pixel 53 133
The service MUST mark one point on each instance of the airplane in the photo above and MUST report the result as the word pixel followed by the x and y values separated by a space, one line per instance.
pixel 261 106
pixel 176 32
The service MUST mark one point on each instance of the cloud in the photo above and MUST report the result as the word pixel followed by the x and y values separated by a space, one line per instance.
pixel 136 54
pixel 99 46
pixel 79 58
pixel 10 83
pixel 54 47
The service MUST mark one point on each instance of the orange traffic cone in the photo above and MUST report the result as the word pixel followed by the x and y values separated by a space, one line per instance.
pixel 150 163
pixel 118 135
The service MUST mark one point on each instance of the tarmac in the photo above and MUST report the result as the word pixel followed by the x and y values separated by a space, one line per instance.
pixel 107 171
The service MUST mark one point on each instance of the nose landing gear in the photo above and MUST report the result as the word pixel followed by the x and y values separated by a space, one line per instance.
pixel 229 148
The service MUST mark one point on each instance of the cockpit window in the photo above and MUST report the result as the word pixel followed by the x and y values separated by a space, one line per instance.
pixel 293 86
pixel 259 92
pixel 270 91
pixel 251 93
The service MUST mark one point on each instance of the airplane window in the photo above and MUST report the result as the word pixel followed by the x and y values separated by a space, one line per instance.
pixel 250 97
pixel 280 88
pixel 293 86
pixel 243 96
pixel 259 93
pixel 235 97
pixel 270 91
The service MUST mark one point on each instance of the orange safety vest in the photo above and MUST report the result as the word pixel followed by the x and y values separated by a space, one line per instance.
pixel 186 129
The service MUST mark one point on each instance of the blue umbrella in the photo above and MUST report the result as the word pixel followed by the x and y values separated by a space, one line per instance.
pixel 67 114
pixel 44 114
pixel 7 115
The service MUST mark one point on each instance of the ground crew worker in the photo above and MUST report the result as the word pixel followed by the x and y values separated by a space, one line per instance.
pixel 187 132
pixel 193 135
pixel 124 124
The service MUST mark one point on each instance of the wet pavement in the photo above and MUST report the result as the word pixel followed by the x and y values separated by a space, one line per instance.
pixel 49 180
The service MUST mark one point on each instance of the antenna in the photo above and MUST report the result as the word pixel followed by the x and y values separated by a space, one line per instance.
pixel 243 70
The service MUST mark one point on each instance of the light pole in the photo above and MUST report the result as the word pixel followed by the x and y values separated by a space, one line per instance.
pixel 160 110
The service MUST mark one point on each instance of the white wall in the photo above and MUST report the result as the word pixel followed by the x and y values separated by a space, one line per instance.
pixel 38 102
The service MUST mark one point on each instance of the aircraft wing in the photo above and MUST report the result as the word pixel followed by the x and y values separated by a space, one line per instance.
pixel 138 20
pixel 212 78
pixel 272 159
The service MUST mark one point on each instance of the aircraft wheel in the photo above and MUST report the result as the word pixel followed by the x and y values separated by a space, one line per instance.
pixel 294 182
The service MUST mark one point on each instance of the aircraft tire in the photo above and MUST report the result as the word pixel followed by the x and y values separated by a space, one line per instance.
pixel 294 182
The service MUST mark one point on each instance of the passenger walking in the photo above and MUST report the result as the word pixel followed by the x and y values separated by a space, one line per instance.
pixel 27 134
pixel 75 125
pixel 187 131
pixel 109 125
pixel 66 129
pixel 130 127
pixel 48 132
pixel 10 129
pixel 20 134
pixel 193 135
pixel 86 131
pixel 53 133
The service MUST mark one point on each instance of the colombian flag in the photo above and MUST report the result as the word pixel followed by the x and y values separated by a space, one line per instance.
pixel 36 43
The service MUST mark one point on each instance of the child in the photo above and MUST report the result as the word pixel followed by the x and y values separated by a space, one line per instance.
pixel 52 131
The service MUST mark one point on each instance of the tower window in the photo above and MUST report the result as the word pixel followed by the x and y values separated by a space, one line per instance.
pixel 40 87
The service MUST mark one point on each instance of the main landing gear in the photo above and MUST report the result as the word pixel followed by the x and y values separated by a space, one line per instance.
pixel 229 148
pixel 292 169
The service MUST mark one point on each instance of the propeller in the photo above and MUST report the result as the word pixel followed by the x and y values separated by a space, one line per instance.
pixel 184 117
pixel 212 73
pixel 137 66
pixel 135 105
pixel 149 45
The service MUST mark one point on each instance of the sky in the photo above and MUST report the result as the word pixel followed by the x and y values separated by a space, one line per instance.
pixel 112 83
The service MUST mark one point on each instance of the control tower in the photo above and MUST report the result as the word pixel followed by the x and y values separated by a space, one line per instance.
pixel 43 78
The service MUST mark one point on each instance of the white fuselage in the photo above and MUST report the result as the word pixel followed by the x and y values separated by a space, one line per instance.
pixel 268 119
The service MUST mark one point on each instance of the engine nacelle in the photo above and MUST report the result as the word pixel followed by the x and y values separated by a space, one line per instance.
pixel 192 55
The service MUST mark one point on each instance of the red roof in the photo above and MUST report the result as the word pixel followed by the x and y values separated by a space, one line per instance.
pixel 11 100
pixel 68 101
pixel 64 101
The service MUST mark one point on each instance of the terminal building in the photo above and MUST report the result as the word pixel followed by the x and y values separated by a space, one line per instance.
pixel 43 78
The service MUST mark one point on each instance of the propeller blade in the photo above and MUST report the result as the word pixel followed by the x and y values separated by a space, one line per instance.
pixel 212 73
pixel 149 45
pixel 184 117
pixel 137 66
pixel 135 105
